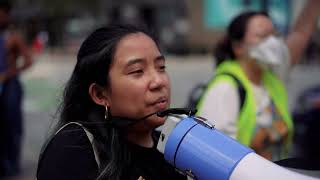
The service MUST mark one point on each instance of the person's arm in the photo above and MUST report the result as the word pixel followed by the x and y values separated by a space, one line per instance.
pixel 68 156
pixel 305 25
pixel 221 107
pixel 16 42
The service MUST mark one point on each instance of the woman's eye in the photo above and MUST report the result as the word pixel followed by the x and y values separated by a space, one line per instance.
pixel 136 71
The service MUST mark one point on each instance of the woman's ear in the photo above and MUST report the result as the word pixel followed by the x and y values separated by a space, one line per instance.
pixel 98 94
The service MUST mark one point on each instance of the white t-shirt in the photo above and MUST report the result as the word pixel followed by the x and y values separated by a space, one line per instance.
pixel 221 107
pixel 222 104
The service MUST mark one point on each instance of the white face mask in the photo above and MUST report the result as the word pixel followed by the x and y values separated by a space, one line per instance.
pixel 270 52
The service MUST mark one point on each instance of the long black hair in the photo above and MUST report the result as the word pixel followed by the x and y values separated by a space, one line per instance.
pixel 235 33
pixel 94 58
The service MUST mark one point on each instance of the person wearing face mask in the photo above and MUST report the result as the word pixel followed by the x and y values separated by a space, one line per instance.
pixel 246 98
pixel 107 120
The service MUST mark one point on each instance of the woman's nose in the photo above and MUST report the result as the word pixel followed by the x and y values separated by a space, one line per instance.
pixel 157 81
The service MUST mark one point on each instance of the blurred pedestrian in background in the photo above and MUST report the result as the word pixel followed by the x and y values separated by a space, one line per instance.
pixel 12 46
pixel 247 98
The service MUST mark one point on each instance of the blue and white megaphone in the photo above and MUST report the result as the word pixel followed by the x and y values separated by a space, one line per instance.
pixel 200 151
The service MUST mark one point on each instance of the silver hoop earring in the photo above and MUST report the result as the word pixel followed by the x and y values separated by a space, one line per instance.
pixel 106 114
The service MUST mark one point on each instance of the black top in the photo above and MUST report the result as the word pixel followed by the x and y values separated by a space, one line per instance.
pixel 70 156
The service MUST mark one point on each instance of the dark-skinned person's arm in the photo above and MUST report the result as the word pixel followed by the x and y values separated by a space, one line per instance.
pixel 302 30
pixel 16 48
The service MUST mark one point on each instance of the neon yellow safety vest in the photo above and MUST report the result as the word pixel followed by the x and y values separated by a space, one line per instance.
pixel 247 116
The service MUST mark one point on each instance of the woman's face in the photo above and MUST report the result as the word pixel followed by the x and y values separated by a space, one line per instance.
pixel 258 28
pixel 139 84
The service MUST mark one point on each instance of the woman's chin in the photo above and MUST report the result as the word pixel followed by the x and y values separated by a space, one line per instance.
pixel 161 120
pixel 156 122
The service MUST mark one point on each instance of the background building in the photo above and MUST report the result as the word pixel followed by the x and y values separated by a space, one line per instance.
pixel 182 26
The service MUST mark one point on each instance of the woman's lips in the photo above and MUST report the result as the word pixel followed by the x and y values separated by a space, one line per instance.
pixel 161 105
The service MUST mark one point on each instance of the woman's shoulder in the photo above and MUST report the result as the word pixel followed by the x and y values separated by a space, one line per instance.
pixel 70 134
pixel 68 154
pixel 220 89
